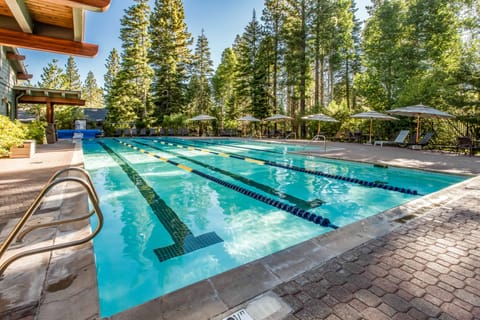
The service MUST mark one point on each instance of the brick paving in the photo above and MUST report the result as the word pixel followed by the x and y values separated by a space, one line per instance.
pixel 429 268
pixel 22 179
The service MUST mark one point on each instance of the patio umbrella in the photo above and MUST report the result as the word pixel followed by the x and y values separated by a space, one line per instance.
pixel 319 117
pixel 202 117
pixel 248 118
pixel 372 115
pixel 420 111
pixel 276 117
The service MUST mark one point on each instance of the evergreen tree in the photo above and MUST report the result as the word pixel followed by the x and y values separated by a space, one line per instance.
pixel 112 66
pixel 297 60
pixel 273 17
pixel 202 69
pixel 250 82
pixel 169 56
pixel 92 93
pixel 72 76
pixel 383 35
pixel 129 98
pixel 224 85
pixel 52 76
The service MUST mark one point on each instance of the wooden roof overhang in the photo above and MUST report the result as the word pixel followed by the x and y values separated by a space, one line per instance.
pixel 48 96
pixel 48 25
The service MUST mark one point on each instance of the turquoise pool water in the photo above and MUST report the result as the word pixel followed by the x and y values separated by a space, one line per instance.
pixel 179 211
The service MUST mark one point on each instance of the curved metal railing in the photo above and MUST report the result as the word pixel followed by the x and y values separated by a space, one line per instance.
pixel 321 136
pixel 17 235
pixel 291 134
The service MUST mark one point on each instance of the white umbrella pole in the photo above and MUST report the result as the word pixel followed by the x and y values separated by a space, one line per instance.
pixel 371 129
pixel 418 128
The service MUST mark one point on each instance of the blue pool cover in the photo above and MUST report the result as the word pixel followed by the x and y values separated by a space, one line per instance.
pixel 87 134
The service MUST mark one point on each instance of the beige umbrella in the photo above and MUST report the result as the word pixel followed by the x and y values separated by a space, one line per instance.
pixel 202 117
pixel 248 118
pixel 319 117
pixel 276 117
pixel 372 115
pixel 420 111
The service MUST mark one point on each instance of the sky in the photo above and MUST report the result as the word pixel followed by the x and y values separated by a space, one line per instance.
pixel 221 20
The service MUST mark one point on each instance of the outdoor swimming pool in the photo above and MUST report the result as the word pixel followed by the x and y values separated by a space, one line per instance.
pixel 179 211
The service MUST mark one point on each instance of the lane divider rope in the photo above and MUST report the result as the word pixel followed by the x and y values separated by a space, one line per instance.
pixel 251 183
pixel 295 168
pixel 301 213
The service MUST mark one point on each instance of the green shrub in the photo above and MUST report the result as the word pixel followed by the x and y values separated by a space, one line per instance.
pixel 36 131
pixel 11 134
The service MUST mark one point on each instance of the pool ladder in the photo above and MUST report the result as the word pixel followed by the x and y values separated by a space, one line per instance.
pixel 15 234
pixel 324 139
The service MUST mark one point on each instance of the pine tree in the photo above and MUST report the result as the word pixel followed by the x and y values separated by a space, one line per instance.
pixel 72 76
pixel 113 66
pixel 129 97
pixel 170 56
pixel 202 69
pixel 273 17
pixel 92 93
pixel 224 85
pixel 250 82
pixel 52 76
pixel 297 60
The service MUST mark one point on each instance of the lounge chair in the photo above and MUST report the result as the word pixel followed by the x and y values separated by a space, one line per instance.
pixel 118 132
pixel 143 132
pixel 424 141
pixel 127 132
pixel 152 132
pixel 163 132
pixel 399 140
pixel 134 131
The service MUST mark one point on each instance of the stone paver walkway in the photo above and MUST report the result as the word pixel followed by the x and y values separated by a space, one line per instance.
pixel 427 269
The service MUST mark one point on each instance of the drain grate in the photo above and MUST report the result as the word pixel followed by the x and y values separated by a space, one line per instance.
pixel 239 315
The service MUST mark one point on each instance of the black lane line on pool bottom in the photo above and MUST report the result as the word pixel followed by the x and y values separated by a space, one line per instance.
pixel 297 201
pixel 306 215
pixel 184 239
pixel 364 183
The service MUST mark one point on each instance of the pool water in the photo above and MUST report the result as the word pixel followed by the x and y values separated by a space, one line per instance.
pixel 180 211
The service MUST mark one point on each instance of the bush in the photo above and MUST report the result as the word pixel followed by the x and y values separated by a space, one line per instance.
pixel 11 134
pixel 36 131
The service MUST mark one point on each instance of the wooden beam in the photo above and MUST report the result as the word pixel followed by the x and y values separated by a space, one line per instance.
pixel 90 5
pixel 21 14
pixel 13 56
pixel 24 76
pixel 51 100
pixel 49 44
pixel 78 24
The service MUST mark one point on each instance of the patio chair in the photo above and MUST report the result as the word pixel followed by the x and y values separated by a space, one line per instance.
pixel 127 132
pixel 399 140
pixel 424 141
pixel 163 132
pixel 118 132
pixel 143 132
pixel 464 144
pixel 152 132
pixel 171 131
pixel 134 131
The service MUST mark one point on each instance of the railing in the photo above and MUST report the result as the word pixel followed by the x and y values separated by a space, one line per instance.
pixel 15 234
pixel 291 134
pixel 317 138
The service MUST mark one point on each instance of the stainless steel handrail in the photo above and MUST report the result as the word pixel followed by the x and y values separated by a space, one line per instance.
pixel 317 137
pixel 291 134
pixel 53 181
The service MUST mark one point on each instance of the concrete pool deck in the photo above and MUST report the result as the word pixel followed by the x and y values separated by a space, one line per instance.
pixel 417 261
